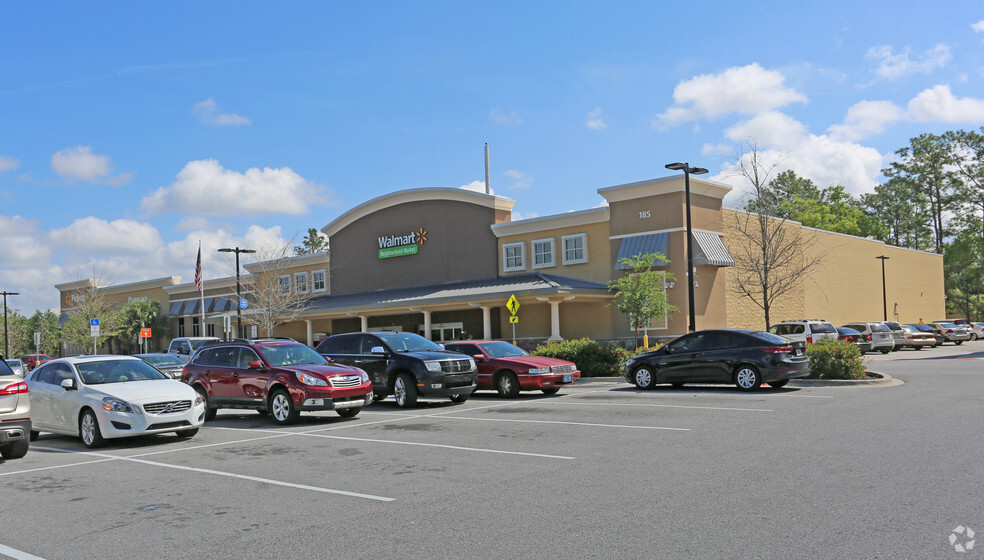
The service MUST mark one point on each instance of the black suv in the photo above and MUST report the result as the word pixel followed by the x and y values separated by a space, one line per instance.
pixel 404 365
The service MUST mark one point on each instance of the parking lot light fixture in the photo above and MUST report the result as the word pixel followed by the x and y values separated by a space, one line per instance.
pixel 239 296
pixel 883 258
pixel 687 172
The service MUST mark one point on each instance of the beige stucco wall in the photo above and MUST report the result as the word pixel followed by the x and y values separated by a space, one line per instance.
pixel 598 267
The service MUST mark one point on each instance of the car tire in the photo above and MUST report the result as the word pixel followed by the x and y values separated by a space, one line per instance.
pixel 507 384
pixel 187 433
pixel 550 390
pixel 349 412
pixel 89 430
pixel 778 384
pixel 405 391
pixel 209 411
pixel 917 347
pixel 886 351
pixel 677 385
pixel 282 408
pixel 973 336
pixel 747 378
pixel 14 449
pixel 34 435
pixel 958 342
pixel 460 398
pixel 644 378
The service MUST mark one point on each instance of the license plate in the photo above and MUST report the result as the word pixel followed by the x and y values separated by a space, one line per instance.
pixel 567 378
pixel 797 352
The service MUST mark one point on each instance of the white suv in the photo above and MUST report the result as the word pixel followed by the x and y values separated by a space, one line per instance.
pixel 805 330
pixel 185 346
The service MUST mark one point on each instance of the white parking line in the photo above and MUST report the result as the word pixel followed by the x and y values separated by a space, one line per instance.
pixel 226 474
pixel 566 423
pixel 54 467
pixel 663 406
pixel 17 554
pixel 805 396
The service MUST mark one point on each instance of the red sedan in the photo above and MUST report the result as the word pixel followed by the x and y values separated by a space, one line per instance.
pixel 509 369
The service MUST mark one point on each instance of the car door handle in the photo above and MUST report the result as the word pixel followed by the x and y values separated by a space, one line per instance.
pixel 235 374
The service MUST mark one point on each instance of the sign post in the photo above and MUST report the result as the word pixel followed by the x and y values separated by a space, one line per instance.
pixel 37 343
pixel 513 306
pixel 145 338
pixel 94 333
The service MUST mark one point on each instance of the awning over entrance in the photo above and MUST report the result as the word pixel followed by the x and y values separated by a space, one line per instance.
pixel 194 306
pixel 641 244
pixel 709 249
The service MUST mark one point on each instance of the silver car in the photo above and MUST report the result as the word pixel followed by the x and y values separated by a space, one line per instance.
pixel 881 337
pixel 15 414
pixel 952 332
pixel 17 366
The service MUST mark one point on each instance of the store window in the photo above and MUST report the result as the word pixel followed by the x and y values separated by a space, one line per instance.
pixel 514 256
pixel 543 253
pixel 181 327
pixel 283 283
pixel 195 327
pixel 575 248
pixel 318 281
pixel 301 283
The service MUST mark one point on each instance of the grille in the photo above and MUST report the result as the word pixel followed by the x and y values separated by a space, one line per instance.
pixel 342 381
pixel 562 369
pixel 455 366
pixel 168 425
pixel 160 408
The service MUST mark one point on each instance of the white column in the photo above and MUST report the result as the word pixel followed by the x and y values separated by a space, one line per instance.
pixel 427 325
pixel 310 332
pixel 555 321
pixel 365 322
pixel 487 322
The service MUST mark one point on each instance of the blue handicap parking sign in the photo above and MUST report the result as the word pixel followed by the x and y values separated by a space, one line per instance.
pixel 93 322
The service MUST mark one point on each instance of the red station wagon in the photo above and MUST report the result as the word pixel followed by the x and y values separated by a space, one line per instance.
pixel 509 369
pixel 281 377
pixel 32 361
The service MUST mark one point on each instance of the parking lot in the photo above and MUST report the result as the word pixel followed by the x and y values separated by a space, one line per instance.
pixel 599 470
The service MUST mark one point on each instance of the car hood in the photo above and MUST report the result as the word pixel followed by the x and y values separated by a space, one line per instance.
pixel 435 355
pixel 533 361
pixel 323 369
pixel 144 391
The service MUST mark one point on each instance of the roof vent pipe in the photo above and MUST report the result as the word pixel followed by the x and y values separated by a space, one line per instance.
pixel 488 180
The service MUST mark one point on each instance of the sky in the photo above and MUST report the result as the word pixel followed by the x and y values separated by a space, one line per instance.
pixel 132 131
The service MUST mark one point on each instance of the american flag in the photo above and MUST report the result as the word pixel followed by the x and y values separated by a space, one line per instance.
pixel 198 269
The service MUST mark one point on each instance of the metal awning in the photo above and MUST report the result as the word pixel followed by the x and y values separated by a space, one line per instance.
pixel 709 249
pixel 640 245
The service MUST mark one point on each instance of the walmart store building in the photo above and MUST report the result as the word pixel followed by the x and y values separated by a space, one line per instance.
pixel 443 262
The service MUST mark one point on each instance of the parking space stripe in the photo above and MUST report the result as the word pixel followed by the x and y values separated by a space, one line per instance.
pixel 455 447
pixel 664 406
pixel 566 423
pixel 27 471
pixel 17 554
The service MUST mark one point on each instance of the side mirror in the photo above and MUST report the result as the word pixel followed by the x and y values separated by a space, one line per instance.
pixel 479 358
pixel 255 364
pixel 68 384
pixel 378 350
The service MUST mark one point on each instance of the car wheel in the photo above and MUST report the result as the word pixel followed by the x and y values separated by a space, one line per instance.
pixel 507 384
pixel 187 433
pixel 779 384
pixel 958 342
pixel 282 408
pixel 89 430
pixel 34 435
pixel 644 377
pixel 886 351
pixel 918 347
pixel 349 412
pixel 405 391
pixel 747 378
pixel 14 449
pixel 460 398
pixel 209 411
pixel 550 390
pixel 973 336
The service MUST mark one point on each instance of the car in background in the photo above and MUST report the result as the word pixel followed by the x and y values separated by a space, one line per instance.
pixel 850 335
pixel 937 333
pixel 32 361
pixel 976 330
pixel 898 334
pixel 952 332
pixel 744 357
pixel 917 338
pixel 187 345
pixel 509 369
pixel 170 364
pixel 15 414
pixel 281 377
pixel 102 397
pixel 882 338
pixel 805 330
pixel 17 366
pixel 405 365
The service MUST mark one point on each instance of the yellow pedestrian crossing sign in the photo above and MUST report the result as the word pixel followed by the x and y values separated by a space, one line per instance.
pixel 514 319
pixel 513 306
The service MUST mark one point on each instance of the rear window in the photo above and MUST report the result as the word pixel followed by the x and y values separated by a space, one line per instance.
pixel 947 325
pixel 768 338
pixel 878 327
pixel 5 369
pixel 893 325
pixel 786 329
pixel 822 328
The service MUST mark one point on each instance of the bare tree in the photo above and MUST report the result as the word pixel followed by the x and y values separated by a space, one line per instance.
pixel 274 297
pixel 771 255
pixel 87 302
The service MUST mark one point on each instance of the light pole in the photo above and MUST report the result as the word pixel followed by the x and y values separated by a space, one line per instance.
pixel 239 297
pixel 883 258
pixel 6 350
pixel 687 171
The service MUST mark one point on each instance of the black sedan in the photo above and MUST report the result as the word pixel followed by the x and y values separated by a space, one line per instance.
pixel 169 363
pixel 862 341
pixel 743 357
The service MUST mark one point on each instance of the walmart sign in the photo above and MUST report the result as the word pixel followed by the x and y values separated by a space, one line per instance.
pixel 401 245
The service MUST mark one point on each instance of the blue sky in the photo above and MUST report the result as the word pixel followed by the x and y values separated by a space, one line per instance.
pixel 130 131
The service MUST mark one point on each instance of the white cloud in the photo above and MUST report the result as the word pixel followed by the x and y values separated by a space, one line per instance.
pixel 22 245
pixel 938 104
pixel 205 187
pixel 771 127
pixel 195 223
pixel 208 112
pixel 867 118
pixel 892 66
pixel 477 186
pixel 8 163
pixel 716 149
pixel 747 89
pixel 93 234
pixel 79 163
pixel 595 120
pixel 978 27
pixel 500 116
pixel 520 180
pixel 516 216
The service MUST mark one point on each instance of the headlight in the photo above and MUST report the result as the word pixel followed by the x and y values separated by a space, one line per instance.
pixel 471 363
pixel 116 405
pixel 199 399
pixel 365 376
pixel 433 366
pixel 311 380
pixel 540 370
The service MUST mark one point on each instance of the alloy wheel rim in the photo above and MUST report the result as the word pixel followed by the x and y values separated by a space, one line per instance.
pixel 643 377
pixel 746 378
pixel 400 392
pixel 87 429
pixel 279 407
pixel 505 384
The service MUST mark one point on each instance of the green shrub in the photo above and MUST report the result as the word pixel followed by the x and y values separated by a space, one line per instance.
pixel 835 359
pixel 593 358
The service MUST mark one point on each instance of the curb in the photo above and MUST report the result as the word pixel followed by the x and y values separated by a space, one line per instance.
pixel 885 381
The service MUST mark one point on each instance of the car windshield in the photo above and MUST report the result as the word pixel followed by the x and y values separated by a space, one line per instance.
pixel 878 327
pixel 290 354
pixel 947 325
pixel 14 363
pixel 117 371
pixel 409 342
pixel 165 360
pixel 196 344
pixel 502 350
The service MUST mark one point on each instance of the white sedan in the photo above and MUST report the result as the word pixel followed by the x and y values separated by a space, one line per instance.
pixel 101 397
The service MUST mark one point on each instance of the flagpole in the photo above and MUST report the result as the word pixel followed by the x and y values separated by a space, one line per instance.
pixel 201 288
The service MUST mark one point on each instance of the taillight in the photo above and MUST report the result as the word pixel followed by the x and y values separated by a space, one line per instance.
pixel 867 337
pixel 14 389
pixel 809 339
pixel 778 349
pixel 949 331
